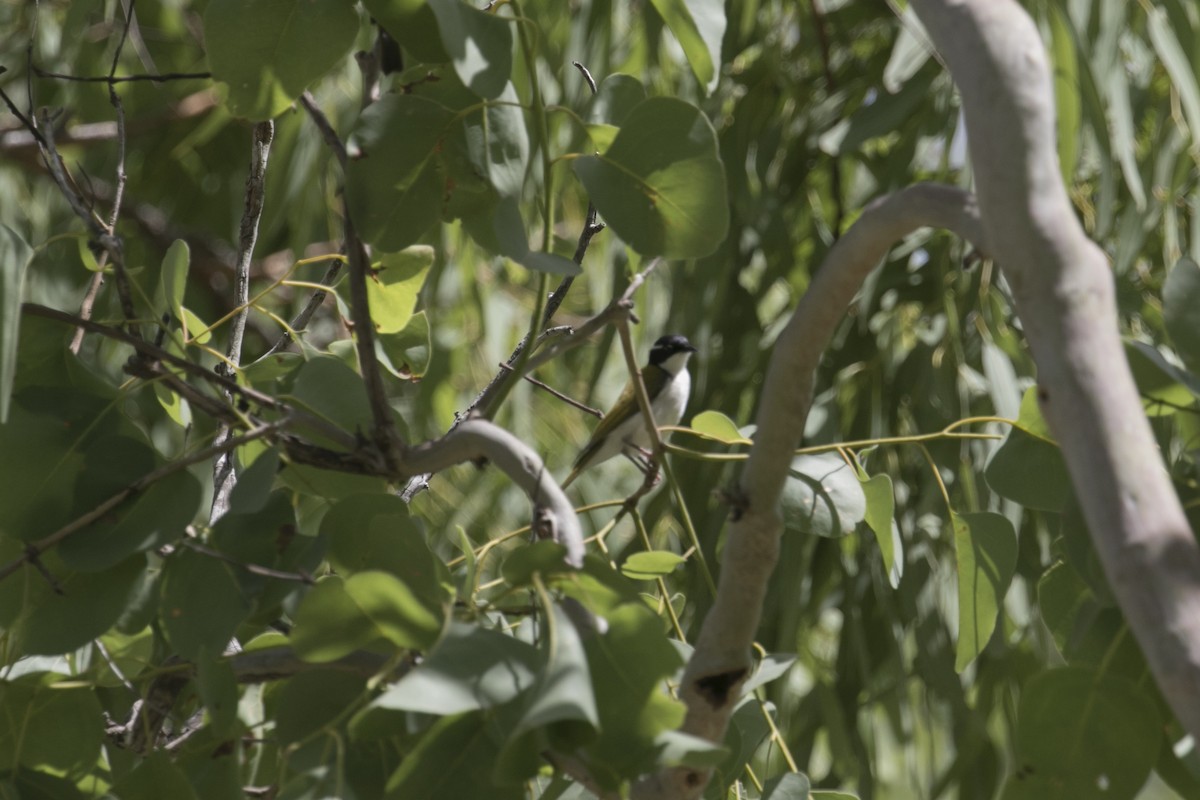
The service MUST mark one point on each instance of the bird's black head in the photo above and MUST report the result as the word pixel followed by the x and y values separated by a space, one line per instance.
pixel 669 345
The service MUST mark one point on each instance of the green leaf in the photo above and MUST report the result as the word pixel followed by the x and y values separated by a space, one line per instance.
pixel 561 700
pixel 514 242
pixel 629 664
pixel 394 172
pixel 393 287
pixel 196 328
pixel 909 53
pixel 544 557
pixel 1181 310
pixel 269 51
pixel 452 760
pixel 47 623
pixel 50 727
pixel 202 603
pixel 1164 387
pixel 156 516
pixel 480 46
pixel 219 691
pixel 616 96
pixel 498 144
pixel 772 666
pixel 329 624
pixel 15 256
pixel 650 565
pixel 375 532
pixel 254 484
pixel 329 388
pixel 337 617
pixel 881 518
pixel 822 496
pixel 1178 65
pixel 310 701
pixel 412 24
pixel 1028 467
pixel 172 281
pixel 155 777
pixel 661 186
pixel 985 546
pixel 1083 733
pixel 406 354
pixel 1066 90
pixel 715 425
pixel 789 786
pixel 470 668
pixel 699 25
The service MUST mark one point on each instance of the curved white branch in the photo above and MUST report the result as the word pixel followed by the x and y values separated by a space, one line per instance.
pixel 721 661
pixel 1064 293
pixel 476 439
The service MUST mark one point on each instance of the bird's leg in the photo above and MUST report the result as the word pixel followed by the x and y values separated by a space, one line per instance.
pixel 644 460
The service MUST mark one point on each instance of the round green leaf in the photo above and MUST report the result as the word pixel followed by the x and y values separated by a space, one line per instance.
pixel 202 603
pixel 470 668
pixel 661 185
pixel 394 172
pixel 155 777
pixel 789 786
pixel 412 24
pixel 480 45
pixel 269 51
pixel 454 758
pixel 329 624
pixel 1029 469
pixel 406 353
pixel 823 496
pixel 152 518
pixel 394 285
pixel 50 727
pixel 1083 734
pixel 310 701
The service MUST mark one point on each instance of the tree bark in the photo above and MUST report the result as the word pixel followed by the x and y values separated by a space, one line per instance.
pixel 1065 296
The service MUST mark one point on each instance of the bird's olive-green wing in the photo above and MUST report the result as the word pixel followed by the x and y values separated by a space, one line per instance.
pixel 625 407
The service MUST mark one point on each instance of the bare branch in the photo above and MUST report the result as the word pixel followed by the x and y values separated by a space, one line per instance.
pixel 110 79
pixel 722 658
pixel 475 439
pixel 224 477
pixel 1064 293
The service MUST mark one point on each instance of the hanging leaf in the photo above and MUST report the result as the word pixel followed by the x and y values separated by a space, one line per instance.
pixel 699 25
pixel 661 185
pixel 1181 311
pixel 822 496
pixel 480 46
pixel 15 255
pixel 985 547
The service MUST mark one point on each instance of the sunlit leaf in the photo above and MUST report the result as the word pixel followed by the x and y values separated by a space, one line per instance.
pixel 716 425
pixel 881 517
pixel 650 565
pixel 822 496
pixel 699 26
pixel 985 546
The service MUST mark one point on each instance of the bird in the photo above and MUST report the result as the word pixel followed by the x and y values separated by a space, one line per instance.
pixel 623 431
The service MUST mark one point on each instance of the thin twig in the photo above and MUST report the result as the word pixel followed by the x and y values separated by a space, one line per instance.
pixel 148 349
pixel 301 320
pixel 487 398
pixel 89 298
pixel 160 78
pixel 35 549
pixel 595 412
pixel 384 434
pixel 325 127
pixel 253 569
pixel 224 477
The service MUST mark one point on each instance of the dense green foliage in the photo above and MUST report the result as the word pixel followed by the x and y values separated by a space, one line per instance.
pixel 938 624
